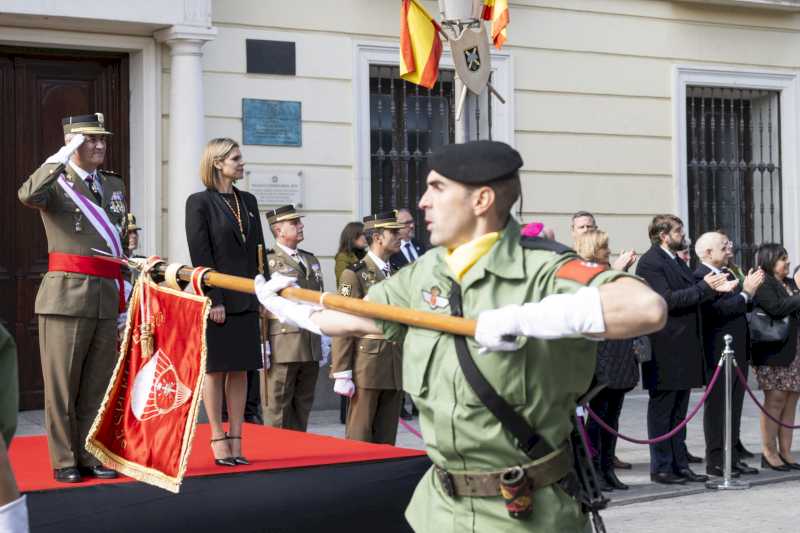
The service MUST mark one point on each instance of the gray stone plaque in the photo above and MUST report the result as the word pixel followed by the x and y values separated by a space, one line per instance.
pixel 271 122
pixel 277 187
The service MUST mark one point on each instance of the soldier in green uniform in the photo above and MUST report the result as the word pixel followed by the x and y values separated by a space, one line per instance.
pixel 294 363
pixel 535 303
pixel 80 296
pixel 368 368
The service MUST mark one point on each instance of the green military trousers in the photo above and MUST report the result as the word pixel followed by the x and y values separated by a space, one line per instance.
pixel 78 357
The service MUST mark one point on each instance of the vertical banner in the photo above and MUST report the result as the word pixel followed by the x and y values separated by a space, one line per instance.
pixel 146 423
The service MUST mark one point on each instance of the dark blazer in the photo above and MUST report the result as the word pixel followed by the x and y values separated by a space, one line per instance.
pixel 215 241
pixel 776 302
pixel 677 361
pixel 398 260
pixel 725 314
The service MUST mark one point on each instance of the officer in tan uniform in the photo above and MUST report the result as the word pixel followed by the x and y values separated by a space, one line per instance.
pixel 82 208
pixel 368 369
pixel 296 353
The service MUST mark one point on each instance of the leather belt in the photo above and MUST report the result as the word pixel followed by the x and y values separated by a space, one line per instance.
pixel 373 337
pixel 548 470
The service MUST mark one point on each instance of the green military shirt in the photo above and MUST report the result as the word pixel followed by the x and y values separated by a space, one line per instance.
pixel 542 381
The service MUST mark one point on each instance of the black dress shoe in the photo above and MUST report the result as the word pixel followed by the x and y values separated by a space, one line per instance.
pixel 793 466
pixel 98 471
pixel 619 463
pixel 779 468
pixel 716 470
pixel 693 458
pixel 742 451
pixel 745 468
pixel 667 478
pixel 688 475
pixel 611 478
pixel 69 474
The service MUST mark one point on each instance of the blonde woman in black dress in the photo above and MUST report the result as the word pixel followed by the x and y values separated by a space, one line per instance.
pixel 223 228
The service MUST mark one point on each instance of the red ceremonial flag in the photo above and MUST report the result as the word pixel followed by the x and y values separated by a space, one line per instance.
pixel 420 46
pixel 146 424
pixel 486 13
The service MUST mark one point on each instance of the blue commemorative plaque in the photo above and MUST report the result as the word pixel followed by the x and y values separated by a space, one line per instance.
pixel 271 122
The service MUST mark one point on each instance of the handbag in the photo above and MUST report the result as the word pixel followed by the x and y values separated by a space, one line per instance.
pixel 764 328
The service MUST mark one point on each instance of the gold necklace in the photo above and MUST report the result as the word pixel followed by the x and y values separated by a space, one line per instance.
pixel 236 212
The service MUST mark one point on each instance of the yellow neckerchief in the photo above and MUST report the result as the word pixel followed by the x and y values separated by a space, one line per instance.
pixel 461 258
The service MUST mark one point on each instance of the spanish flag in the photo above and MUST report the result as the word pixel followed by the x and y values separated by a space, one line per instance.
pixel 499 18
pixel 420 46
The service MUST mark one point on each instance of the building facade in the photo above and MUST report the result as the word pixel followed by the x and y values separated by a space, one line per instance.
pixel 625 108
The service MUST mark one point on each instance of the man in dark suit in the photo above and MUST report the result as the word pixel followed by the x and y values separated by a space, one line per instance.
pixel 724 315
pixel 677 350
pixel 410 250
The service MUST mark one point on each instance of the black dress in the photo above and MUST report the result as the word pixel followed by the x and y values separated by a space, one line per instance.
pixel 215 240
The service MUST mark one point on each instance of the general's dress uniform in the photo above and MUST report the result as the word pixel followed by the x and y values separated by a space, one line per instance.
pixel 78 300
pixel 375 363
pixel 296 353
pixel 541 381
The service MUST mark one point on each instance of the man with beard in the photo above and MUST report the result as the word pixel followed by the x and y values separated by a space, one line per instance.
pixel 677 363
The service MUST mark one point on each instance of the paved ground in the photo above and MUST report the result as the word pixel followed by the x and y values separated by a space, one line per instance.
pixel 769 505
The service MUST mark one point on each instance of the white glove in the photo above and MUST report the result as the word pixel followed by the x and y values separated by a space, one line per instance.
pixel 288 312
pixel 63 155
pixel 556 316
pixel 14 516
pixel 326 350
pixel 344 386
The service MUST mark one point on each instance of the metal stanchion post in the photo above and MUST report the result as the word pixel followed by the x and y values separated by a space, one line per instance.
pixel 727 482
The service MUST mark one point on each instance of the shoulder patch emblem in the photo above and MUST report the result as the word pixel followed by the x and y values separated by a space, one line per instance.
pixel 435 299
pixel 579 271
pixel 345 289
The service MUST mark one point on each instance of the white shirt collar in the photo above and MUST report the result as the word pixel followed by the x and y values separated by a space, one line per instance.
pixel 380 263
pixel 403 243
pixel 289 251
pixel 79 171
pixel 712 268
pixel 669 252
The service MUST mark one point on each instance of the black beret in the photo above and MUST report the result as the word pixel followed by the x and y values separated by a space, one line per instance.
pixel 475 162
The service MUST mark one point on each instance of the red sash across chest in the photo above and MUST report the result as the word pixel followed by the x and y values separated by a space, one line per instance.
pixel 92 266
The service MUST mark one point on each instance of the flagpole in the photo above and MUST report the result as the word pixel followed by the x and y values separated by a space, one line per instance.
pixel 353 306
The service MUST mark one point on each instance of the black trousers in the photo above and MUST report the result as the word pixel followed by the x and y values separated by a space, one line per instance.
pixel 607 404
pixel 714 418
pixel 665 410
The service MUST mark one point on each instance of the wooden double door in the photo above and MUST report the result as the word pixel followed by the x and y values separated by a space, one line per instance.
pixel 37 89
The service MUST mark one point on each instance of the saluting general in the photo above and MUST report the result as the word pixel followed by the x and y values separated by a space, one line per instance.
pixel 535 303
pixel 83 208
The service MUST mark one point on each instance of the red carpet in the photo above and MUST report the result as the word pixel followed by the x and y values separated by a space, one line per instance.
pixel 267 448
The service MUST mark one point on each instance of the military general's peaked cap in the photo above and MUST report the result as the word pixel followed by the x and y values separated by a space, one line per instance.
pixel 280 214
pixel 86 124
pixel 131 223
pixel 387 220
pixel 475 162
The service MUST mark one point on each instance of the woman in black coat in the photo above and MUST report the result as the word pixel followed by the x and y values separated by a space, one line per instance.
pixel 777 365
pixel 223 227
pixel 616 368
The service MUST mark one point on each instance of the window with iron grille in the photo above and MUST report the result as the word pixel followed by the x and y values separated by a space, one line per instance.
pixel 734 166
pixel 407 122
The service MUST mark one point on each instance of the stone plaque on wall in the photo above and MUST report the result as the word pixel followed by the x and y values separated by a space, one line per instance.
pixel 271 122
pixel 276 187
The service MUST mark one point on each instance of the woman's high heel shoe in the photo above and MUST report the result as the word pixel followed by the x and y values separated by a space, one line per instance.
pixel 239 459
pixel 793 466
pixel 767 464
pixel 225 461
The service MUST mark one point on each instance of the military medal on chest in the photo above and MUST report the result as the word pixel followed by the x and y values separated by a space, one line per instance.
pixel 117 204
pixel 77 218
